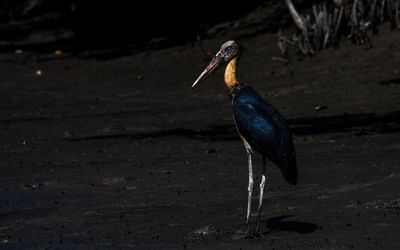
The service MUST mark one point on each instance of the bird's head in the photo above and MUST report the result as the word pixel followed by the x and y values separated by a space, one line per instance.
pixel 227 52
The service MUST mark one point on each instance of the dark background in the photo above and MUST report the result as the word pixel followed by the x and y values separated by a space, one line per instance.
pixel 104 145
pixel 121 24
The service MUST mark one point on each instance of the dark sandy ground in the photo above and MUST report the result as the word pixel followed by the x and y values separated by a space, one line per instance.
pixel 121 153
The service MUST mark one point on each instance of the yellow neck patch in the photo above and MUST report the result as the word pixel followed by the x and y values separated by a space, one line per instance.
pixel 230 74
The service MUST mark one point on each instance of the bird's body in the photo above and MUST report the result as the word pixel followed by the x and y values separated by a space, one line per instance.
pixel 259 124
pixel 265 130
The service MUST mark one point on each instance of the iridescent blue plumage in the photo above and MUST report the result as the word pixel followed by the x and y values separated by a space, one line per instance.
pixel 265 130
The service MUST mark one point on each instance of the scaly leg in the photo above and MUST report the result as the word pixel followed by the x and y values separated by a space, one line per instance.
pixel 262 185
pixel 250 190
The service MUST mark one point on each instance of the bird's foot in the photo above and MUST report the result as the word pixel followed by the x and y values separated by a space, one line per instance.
pixel 239 235
pixel 258 231
pixel 258 227
pixel 250 234
pixel 254 235
pixel 258 235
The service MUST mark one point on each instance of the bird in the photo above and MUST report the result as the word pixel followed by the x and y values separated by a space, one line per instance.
pixel 259 125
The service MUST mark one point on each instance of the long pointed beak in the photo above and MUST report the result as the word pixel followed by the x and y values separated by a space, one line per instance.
pixel 215 63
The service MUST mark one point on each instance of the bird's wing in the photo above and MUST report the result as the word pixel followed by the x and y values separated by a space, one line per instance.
pixel 257 127
pixel 265 130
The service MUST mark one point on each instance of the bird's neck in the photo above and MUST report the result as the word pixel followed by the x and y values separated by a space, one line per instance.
pixel 230 74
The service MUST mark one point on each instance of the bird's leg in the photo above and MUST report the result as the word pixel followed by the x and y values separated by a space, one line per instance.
pixel 249 189
pixel 262 185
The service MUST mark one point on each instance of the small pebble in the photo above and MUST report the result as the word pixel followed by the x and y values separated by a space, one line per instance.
pixel 317 108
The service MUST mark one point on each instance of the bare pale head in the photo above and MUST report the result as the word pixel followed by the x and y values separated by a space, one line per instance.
pixel 228 51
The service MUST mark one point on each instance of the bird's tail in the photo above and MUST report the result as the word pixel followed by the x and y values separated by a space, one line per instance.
pixel 291 173
pixel 289 169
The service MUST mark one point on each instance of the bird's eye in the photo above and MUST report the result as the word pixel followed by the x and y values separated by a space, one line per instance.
pixel 228 48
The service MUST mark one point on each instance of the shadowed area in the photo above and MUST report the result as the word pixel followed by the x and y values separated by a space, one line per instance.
pixel 217 133
pixel 111 29
pixel 358 124
pixel 390 81
pixel 280 223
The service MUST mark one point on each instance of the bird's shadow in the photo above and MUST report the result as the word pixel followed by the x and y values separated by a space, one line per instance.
pixel 390 81
pixel 279 224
